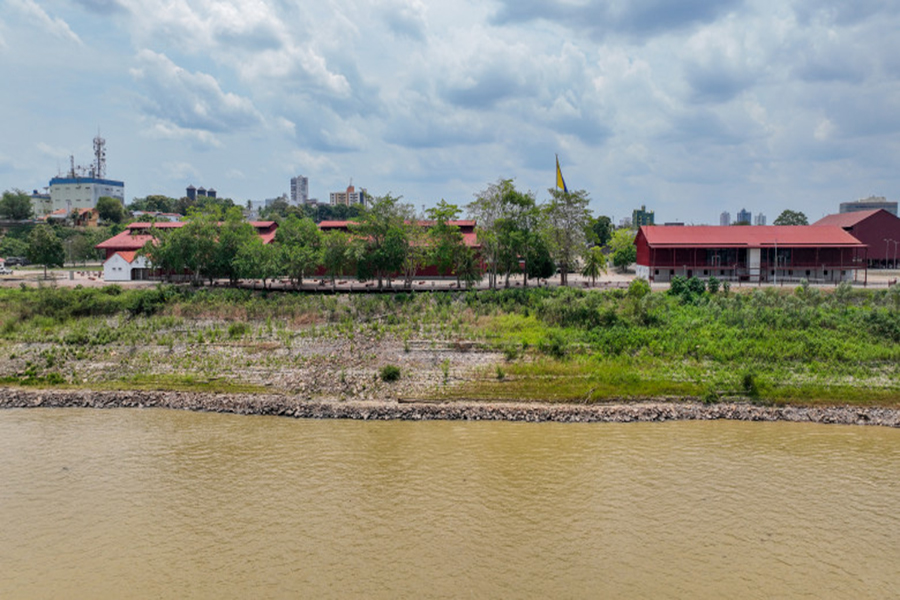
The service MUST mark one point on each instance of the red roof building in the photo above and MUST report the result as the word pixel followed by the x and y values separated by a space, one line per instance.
pixel 137 234
pixel 878 229
pixel 748 253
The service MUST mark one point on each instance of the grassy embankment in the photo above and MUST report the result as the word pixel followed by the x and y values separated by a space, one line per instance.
pixel 803 347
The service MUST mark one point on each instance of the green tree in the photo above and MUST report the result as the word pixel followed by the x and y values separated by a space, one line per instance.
pixel 600 230
pixel 154 203
pixel 507 221
pixel 45 248
pixel 622 247
pixel 791 217
pixel 231 234
pixel 445 240
pixel 12 246
pixel 383 229
pixel 110 209
pixel 256 260
pixel 567 219
pixel 337 254
pixel 15 205
pixel 594 263
pixel 300 245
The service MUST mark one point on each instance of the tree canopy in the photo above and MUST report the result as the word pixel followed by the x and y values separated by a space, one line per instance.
pixel 45 248
pixel 15 206
pixel 791 217
pixel 110 209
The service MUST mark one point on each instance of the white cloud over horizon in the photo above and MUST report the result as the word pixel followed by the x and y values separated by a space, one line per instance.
pixel 691 108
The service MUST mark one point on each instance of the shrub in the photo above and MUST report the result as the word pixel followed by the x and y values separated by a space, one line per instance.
pixel 238 330
pixel 390 373
pixel 749 385
pixel 713 285
pixel 638 288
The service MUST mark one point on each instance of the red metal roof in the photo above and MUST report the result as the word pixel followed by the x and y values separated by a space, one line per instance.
pixel 848 219
pixel 125 241
pixel 710 236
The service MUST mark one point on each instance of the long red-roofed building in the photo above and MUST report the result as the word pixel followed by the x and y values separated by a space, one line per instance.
pixel 750 253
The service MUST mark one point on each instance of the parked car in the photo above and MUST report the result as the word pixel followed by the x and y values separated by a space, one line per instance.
pixel 5 271
pixel 16 260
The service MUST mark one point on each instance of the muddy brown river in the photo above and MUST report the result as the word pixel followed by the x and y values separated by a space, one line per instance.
pixel 170 504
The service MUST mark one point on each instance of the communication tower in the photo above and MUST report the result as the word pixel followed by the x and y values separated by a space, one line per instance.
pixel 98 169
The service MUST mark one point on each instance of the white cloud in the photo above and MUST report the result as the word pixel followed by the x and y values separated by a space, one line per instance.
pixel 190 100
pixel 31 10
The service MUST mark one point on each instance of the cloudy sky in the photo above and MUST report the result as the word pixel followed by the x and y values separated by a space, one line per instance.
pixel 691 107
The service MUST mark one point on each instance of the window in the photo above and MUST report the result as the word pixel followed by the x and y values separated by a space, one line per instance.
pixel 656 272
pixel 705 272
pixel 826 272
pixel 807 272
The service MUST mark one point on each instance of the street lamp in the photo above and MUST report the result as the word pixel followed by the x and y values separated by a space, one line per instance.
pixel 886 242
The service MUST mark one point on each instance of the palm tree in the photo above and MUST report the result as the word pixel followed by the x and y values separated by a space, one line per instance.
pixel 594 264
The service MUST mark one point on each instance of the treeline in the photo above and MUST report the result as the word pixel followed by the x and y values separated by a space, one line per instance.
pixel 386 240
pixel 516 234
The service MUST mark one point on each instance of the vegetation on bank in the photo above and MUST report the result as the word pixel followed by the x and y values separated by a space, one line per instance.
pixel 802 346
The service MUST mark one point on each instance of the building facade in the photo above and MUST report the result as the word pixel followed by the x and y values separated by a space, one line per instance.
pixel 642 216
pixel 72 193
pixel 348 197
pixel 772 254
pixel 299 189
pixel 870 203
pixel 878 229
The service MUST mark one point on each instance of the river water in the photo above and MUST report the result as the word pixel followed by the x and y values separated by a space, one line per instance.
pixel 169 504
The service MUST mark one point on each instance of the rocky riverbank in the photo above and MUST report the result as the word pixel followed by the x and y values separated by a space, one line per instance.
pixel 288 406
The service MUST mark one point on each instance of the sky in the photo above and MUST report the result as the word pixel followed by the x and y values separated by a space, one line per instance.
pixel 690 107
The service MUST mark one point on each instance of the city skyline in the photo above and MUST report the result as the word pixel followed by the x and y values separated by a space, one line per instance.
pixel 759 103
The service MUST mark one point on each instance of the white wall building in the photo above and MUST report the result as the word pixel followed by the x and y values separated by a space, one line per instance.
pixel 124 266
pixel 83 192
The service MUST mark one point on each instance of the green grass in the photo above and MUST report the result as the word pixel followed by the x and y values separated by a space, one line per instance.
pixel 802 346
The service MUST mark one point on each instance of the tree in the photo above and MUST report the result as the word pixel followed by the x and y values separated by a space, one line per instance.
pixel 15 206
pixel 383 231
pixel 600 230
pixel 45 248
pixel 231 234
pixel 567 218
pixel 154 203
pixel 300 244
pixel 622 246
pixel 256 260
pixel 791 217
pixel 507 220
pixel 12 246
pixel 594 264
pixel 110 209
pixel 445 239
pixel 337 254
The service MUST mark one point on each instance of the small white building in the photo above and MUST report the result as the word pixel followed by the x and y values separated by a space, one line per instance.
pixel 125 266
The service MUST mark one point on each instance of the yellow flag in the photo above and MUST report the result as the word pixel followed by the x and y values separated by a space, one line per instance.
pixel 560 182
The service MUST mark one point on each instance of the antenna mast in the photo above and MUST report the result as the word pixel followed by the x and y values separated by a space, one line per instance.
pixel 99 167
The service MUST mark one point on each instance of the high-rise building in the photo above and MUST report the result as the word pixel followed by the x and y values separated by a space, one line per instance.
pixel 642 216
pixel 760 219
pixel 744 216
pixel 870 203
pixel 351 196
pixel 725 218
pixel 299 189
